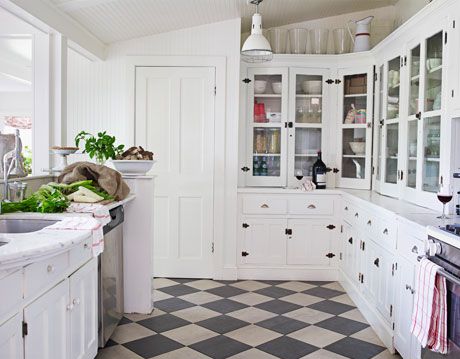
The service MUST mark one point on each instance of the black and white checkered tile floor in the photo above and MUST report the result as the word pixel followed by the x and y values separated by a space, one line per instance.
pixel 246 319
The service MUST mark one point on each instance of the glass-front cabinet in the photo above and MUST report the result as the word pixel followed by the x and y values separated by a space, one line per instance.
pixel 355 127
pixel 266 119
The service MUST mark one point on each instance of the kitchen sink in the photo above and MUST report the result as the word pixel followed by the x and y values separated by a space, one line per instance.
pixel 23 226
pixel 3 243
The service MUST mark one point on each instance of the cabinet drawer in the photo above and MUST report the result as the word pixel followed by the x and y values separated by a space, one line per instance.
pixel 410 247
pixel 80 253
pixel 386 234
pixel 352 214
pixel 41 274
pixel 264 205
pixel 314 205
pixel 11 289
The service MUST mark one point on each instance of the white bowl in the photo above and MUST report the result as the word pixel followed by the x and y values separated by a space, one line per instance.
pixel 138 167
pixel 277 87
pixel 260 86
pixel 312 87
pixel 358 148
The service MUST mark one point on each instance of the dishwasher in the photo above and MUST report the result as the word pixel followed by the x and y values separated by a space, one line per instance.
pixel 110 276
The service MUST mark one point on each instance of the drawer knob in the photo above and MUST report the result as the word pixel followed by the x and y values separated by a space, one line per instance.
pixel 50 268
pixel 86 246
pixel 377 262
pixel 264 206
pixel 346 208
pixel 350 240
pixel 369 222
pixel 415 249
pixel 311 206
pixel 76 301
pixel 356 214
pixel 385 231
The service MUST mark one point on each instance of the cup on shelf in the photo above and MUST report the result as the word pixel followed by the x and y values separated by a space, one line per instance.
pixel 278 40
pixel 260 86
pixel 298 41
pixel 277 87
pixel 318 40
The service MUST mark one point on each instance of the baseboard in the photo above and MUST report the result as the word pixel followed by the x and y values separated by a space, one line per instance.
pixel 284 273
pixel 228 273
pixel 378 324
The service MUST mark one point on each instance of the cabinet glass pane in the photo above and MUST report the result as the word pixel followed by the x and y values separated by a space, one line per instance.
pixel 266 151
pixel 307 144
pixel 433 72
pixel 379 126
pixel 414 80
pixel 431 144
pixel 355 99
pixel 393 88
pixel 391 160
pixel 308 103
pixel 412 154
pixel 267 98
pixel 354 153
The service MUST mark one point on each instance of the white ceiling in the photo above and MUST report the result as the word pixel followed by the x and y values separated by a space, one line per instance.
pixel 116 20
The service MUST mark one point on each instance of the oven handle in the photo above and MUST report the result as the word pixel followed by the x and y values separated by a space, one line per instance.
pixel 443 273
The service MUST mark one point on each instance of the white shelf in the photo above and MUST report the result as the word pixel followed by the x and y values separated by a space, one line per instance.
pixel 357 95
pixel 267 95
pixel 416 77
pixel 435 69
pixel 266 154
pixel 354 156
pixel 307 96
pixel 412 158
pixel 306 155
pixel 267 124
pixel 432 159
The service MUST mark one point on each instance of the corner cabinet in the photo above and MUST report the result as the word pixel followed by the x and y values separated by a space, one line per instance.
pixel 289 112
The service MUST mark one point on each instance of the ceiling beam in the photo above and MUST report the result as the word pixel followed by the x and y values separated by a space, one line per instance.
pixel 57 20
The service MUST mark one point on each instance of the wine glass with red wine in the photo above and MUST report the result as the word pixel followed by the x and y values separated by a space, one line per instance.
pixel 445 195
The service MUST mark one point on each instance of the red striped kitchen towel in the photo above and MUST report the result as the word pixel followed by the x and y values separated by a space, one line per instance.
pixel 429 316
pixel 85 223
pixel 99 211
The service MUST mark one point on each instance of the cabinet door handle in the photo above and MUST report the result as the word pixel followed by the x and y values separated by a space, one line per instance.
pixel 350 240
pixel 50 268
pixel 415 249
pixel 385 231
pixel 264 206
pixel 369 223
pixel 356 214
pixel 346 208
pixel 377 262
pixel 311 206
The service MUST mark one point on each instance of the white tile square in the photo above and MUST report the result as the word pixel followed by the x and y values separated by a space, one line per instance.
pixel 159 295
pixel 334 286
pixel 308 315
pixel 296 286
pixel 323 354
pixel 163 282
pixel 251 298
pixel 253 335
pixel 368 335
pixel 344 299
pixel 129 332
pixel 189 334
pixel 196 314
pixel 354 314
pixel 252 315
pixel 250 285
pixel 182 353
pixel 117 352
pixel 316 336
pixel 253 354
pixel 302 299
pixel 204 284
pixel 200 298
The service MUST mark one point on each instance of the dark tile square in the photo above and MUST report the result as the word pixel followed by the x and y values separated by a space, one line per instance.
pixel 321 292
pixel 124 320
pixel 318 283
pixel 151 346
pixel 110 343
pixel 272 282
pixel 278 306
pixel 163 323
pixel 226 282
pixel 226 291
pixel 331 307
pixel 287 348
pixel 282 324
pixel 342 325
pixel 172 304
pixel 224 306
pixel 355 348
pixel 183 280
pixel 222 324
pixel 178 290
pixel 220 347
pixel 275 292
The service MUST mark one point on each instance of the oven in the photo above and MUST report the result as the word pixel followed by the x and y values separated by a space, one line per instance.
pixel 447 256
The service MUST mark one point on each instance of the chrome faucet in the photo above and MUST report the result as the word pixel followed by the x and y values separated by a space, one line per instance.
pixel 13 166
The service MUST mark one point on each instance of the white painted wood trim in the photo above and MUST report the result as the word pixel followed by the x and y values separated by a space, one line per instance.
pixel 220 122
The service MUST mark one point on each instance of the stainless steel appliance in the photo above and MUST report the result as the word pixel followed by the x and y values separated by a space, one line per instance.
pixel 443 249
pixel 111 276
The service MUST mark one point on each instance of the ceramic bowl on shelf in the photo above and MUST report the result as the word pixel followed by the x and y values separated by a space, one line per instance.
pixel 433 62
pixel 260 86
pixel 358 148
pixel 312 87
pixel 133 167
pixel 277 87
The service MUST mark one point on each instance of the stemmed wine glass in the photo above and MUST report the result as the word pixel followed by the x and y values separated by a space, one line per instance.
pixel 445 195
pixel 299 176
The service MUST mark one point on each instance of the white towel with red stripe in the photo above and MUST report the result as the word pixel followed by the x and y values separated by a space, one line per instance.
pixel 429 316
pixel 85 223
pixel 99 211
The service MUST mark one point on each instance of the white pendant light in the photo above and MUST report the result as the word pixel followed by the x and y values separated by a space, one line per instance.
pixel 256 48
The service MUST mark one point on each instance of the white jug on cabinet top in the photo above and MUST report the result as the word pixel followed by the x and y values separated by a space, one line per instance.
pixel 362 36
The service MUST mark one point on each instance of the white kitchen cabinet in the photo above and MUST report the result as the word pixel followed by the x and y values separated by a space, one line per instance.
pixel 309 241
pixel 48 325
pixel 11 345
pixel 355 94
pixel 83 313
pixel 263 241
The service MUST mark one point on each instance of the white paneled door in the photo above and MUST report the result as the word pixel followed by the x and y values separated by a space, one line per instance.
pixel 175 120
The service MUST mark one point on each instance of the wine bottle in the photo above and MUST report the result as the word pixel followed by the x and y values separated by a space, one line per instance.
pixel 319 173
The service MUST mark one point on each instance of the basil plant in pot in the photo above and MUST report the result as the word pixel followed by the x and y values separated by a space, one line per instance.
pixel 100 148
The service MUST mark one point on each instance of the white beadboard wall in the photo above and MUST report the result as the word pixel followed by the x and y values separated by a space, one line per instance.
pixel 97 96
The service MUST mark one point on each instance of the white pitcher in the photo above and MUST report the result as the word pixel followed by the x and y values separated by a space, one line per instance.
pixel 361 40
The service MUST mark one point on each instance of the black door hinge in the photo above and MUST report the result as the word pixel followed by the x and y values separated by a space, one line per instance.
pixel 244 254
pixel 350 240
pixel 393 270
pixel 453 24
pixel 341 256
pixel 418 115
pixel 341 228
pixel 331 227
pixel 329 81
pixel 289 124
pixel 362 278
pixel 377 262
pixel 337 81
pixel 373 170
pixel 215 90
pixel 212 247
pixel 405 60
pixel 245 225
pixel 381 122
pixel 288 231
pixel 25 329
pixel 245 169
pixel 393 326
pixel 246 80
pixel 391 310
pixel 330 255
pixel 445 37
pixel 375 76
